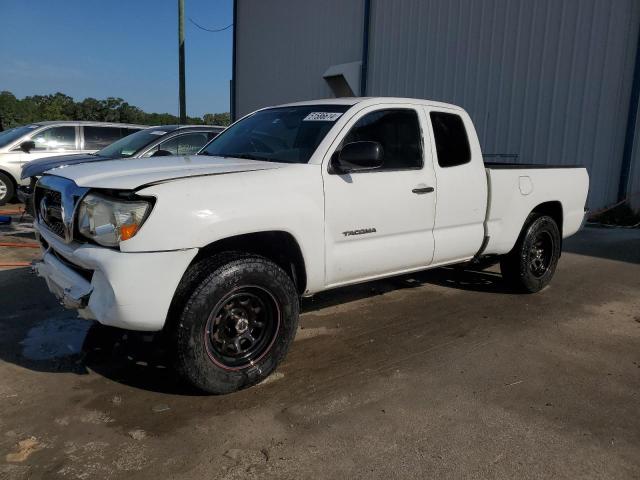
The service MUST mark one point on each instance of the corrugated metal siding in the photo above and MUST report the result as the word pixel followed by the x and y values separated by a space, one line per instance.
pixel 284 47
pixel 634 174
pixel 549 80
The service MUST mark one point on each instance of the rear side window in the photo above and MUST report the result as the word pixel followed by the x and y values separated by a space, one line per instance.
pixel 452 143
pixel 397 130
pixel 96 138
pixel 56 139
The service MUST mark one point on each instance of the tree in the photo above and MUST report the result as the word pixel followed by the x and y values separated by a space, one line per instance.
pixel 8 109
pixel 37 108
pixel 217 118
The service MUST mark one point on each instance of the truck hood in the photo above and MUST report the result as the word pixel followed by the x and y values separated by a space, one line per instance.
pixel 129 174
pixel 35 168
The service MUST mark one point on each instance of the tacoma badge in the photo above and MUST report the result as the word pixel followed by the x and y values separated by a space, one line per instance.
pixel 360 231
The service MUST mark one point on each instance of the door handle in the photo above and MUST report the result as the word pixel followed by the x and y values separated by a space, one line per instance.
pixel 422 190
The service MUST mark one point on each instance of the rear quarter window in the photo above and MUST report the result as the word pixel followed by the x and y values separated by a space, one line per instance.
pixel 452 143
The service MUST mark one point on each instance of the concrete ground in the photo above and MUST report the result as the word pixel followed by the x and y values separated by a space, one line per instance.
pixel 445 374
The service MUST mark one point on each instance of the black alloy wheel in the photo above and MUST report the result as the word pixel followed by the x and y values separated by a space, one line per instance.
pixel 540 254
pixel 242 328
pixel 532 262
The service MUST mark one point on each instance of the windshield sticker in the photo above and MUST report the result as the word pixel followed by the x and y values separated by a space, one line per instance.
pixel 322 117
pixel 157 132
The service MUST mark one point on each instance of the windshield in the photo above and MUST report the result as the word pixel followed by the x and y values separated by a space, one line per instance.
pixel 131 144
pixel 283 134
pixel 13 134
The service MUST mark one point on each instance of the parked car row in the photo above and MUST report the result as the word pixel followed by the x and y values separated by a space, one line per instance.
pixel 28 151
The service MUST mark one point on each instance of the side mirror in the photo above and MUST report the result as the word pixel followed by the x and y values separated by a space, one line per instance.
pixel 162 153
pixel 27 146
pixel 358 157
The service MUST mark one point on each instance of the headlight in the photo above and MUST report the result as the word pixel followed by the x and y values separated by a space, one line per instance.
pixel 108 221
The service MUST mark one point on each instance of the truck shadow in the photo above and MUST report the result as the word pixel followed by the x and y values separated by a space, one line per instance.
pixel 37 334
pixel 469 278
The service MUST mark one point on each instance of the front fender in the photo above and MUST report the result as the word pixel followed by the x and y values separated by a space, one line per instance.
pixel 195 212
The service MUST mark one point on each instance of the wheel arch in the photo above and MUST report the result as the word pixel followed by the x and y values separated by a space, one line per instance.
pixel 11 177
pixel 279 246
pixel 552 209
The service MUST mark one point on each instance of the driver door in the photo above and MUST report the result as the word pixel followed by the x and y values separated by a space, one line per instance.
pixel 380 222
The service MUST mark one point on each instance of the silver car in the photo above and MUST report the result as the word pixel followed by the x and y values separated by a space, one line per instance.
pixel 46 139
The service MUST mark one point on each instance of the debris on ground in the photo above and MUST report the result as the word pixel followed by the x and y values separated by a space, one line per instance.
pixel 161 407
pixel 25 448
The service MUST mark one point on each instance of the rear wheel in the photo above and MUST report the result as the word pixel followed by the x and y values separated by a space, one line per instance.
pixel 530 265
pixel 7 189
pixel 239 318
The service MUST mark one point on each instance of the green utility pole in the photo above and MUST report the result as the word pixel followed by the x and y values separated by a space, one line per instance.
pixel 183 101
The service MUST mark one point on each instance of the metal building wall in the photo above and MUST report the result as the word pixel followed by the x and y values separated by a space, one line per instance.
pixel 634 174
pixel 284 46
pixel 549 80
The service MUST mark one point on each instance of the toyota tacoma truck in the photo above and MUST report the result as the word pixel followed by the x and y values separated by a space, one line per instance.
pixel 216 249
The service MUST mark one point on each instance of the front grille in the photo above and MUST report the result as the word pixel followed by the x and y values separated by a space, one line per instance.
pixel 54 201
pixel 48 206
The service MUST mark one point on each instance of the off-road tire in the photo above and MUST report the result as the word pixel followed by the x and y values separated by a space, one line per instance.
pixel 9 189
pixel 524 268
pixel 205 285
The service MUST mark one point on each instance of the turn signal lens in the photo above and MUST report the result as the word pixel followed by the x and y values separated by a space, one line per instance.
pixel 128 231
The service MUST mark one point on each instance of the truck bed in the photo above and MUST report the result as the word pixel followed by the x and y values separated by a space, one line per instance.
pixel 516 189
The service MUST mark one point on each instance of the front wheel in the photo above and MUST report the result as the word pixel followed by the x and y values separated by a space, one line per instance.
pixel 7 189
pixel 530 265
pixel 239 318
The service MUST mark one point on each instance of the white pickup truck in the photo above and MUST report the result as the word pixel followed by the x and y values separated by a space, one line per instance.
pixel 215 249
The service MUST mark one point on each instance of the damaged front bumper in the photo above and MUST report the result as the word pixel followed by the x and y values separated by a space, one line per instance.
pixel 126 290
pixel 71 289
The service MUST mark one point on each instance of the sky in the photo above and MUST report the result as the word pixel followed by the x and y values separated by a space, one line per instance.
pixel 117 48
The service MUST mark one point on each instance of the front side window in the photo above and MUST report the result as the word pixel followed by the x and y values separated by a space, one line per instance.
pixel 186 144
pixel 55 139
pixel 397 130
pixel 282 134
pixel 452 143
pixel 96 138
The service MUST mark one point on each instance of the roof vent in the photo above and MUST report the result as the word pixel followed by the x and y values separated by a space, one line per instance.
pixel 344 79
